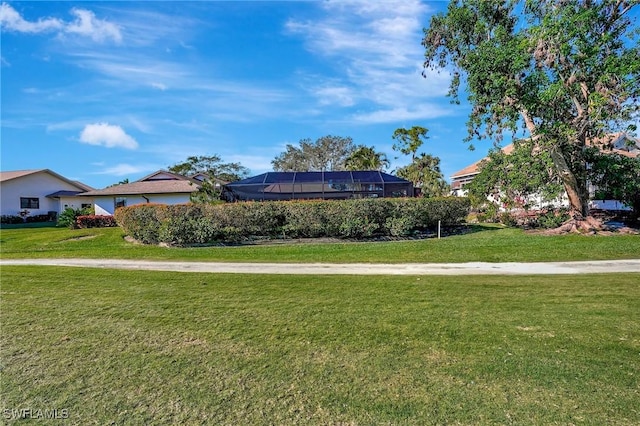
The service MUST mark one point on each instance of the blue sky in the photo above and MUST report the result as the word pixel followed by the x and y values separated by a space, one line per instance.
pixel 103 91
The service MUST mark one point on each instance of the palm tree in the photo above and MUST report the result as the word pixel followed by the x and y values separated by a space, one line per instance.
pixel 366 158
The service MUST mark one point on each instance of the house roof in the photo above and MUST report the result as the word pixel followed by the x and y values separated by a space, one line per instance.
pixel 15 174
pixel 160 182
pixel 617 143
pixel 59 194
pixel 474 168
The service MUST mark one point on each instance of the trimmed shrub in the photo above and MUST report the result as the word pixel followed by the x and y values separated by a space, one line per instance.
pixel 68 218
pixel 95 221
pixel 189 224
pixel 11 220
pixel 38 218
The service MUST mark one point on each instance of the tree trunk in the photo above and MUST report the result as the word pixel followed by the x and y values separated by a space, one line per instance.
pixel 577 193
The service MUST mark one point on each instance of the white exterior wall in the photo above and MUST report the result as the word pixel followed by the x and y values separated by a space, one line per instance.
pixel 105 205
pixel 608 205
pixel 37 185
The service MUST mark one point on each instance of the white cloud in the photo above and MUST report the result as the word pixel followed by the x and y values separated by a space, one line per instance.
pixel 88 25
pixel 125 169
pixel 424 111
pixel 12 21
pixel 159 86
pixel 85 24
pixel 105 134
pixel 377 47
pixel 339 95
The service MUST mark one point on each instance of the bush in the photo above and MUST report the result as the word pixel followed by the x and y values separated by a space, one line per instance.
pixel 95 221
pixel 189 224
pixel 551 219
pixel 68 218
pixel 37 218
pixel 11 219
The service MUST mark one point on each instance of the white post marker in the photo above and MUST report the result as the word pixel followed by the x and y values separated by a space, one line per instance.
pixel 438 229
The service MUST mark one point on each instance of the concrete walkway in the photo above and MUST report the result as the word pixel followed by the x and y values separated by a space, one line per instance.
pixel 472 268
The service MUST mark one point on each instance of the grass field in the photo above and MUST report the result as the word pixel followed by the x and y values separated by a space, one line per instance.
pixel 484 243
pixel 131 347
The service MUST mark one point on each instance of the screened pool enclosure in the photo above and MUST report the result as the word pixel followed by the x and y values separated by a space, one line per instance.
pixel 317 185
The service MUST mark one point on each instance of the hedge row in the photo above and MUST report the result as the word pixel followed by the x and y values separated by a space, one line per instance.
pixel 189 224
pixel 11 219
pixel 95 221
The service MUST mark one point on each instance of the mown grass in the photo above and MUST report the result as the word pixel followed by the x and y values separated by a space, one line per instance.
pixel 484 243
pixel 132 347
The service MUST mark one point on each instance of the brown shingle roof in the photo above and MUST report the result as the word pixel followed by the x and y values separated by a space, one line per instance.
pixel 148 187
pixel 473 169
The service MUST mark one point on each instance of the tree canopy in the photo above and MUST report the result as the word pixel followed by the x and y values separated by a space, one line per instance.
pixel 366 158
pixel 562 73
pixel 516 179
pixel 215 169
pixel 326 153
pixel 424 169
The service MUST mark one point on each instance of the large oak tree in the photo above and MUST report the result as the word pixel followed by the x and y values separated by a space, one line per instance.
pixel 561 72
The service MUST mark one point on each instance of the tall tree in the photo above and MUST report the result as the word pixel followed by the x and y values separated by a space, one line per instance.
pixel 366 158
pixel 424 169
pixel 216 170
pixel 424 172
pixel 567 71
pixel 326 153
pixel 410 140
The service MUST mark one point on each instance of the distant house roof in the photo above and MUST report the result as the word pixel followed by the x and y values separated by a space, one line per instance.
pixel 15 174
pixel 617 143
pixel 160 182
pixel 474 168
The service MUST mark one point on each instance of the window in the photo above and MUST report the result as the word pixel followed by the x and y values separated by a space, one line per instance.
pixel 119 202
pixel 86 206
pixel 29 203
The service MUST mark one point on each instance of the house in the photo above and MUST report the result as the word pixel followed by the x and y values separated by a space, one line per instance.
pixel 619 143
pixel 317 185
pixel 462 177
pixel 160 187
pixel 40 192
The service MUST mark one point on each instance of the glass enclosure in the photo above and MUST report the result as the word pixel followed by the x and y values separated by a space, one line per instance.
pixel 317 185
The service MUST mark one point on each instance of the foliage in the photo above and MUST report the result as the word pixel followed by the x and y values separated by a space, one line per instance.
pixel 424 172
pixel 513 179
pixel 424 169
pixel 568 72
pixel 204 224
pixel 11 219
pixel 38 218
pixel 68 218
pixel 409 140
pixel 326 153
pixel 366 158
pixel 617 177
pixel 122 182
pixel 216 172
pixel 95 221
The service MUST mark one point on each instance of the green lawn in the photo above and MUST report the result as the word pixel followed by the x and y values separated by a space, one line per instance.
pixel 132 347
pixel 486 243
